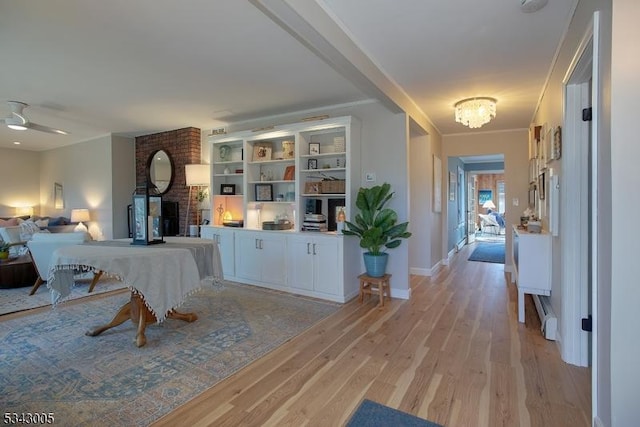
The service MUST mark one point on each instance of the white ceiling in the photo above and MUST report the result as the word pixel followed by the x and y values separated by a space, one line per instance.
pixel 138 67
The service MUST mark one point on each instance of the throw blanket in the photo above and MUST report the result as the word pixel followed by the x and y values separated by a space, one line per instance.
pixel 165 275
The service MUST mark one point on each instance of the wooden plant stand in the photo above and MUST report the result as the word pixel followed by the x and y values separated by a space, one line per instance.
pixel 371 285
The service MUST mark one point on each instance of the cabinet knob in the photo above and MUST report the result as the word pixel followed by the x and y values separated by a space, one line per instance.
pixel 308 248
pixel 314 248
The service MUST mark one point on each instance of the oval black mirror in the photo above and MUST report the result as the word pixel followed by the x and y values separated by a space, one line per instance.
pixel 160 170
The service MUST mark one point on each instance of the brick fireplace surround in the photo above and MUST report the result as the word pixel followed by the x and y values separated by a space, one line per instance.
pixel 183 146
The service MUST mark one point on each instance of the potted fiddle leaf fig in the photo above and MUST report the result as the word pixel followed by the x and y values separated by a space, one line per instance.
pixel 376 226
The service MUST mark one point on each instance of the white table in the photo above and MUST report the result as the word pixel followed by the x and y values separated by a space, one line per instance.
pixel 159 276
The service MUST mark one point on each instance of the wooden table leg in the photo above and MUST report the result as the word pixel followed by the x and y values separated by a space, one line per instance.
pixel 137 311
pixel 122 316
pixel 96 276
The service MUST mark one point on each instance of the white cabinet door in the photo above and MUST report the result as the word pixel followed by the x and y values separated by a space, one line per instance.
pixel 261 257
pixel 226 244
pixel 326 275
pixel 272 254
pixel 248 257
pixel 300 262
pixel 313 263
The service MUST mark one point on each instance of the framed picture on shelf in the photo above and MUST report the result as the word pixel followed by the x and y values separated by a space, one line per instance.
pixel 262 151
pixel 314 148
pixel 228 189
pixel 312 164
pixel 264 193
pixel 289 173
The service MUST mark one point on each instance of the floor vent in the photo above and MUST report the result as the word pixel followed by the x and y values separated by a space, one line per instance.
pixel 548 319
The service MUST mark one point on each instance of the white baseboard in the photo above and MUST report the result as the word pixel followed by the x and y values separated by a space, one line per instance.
pixel 461 244
pixel 420 271
pixel 401 293
pixel 508 268
pixel 597 422
pixel 425 271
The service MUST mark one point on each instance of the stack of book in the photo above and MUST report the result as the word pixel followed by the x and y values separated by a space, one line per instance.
pixel 314 222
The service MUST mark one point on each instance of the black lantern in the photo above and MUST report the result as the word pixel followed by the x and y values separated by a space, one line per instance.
pixel 147 216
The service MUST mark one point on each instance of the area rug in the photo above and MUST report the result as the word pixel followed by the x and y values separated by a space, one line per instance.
pixel 488 252
pixel 48 364
pixel 372 414
pixel 18 299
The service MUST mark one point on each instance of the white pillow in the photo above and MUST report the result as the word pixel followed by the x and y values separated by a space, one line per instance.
pixel 27 230
pixel 41 223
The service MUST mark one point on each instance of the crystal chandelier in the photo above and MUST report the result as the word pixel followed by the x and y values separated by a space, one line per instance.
pixel 475 112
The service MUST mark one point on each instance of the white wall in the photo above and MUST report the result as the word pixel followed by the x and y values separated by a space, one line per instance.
pixel 551 112
pixel 123 159
pixel 421 177
pixel 98 174
pixel 514 145
pixel 84 170
pixel 625 152
pixel 19 174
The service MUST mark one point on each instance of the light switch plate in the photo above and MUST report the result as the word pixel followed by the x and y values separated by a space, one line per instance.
pixel 515 201
pixel 370 177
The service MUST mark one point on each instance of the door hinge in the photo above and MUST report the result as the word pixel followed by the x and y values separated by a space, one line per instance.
pixel 587 324
pixel 586 114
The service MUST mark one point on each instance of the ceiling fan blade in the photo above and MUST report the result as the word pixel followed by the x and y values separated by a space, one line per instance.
pixel 48 129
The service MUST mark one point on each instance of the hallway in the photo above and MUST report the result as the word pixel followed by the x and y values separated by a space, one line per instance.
pixel 454 354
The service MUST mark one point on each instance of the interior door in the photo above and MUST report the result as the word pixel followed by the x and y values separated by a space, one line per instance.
pixel 471 208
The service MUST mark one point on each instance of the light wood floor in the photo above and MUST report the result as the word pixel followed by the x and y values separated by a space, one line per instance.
pixel 454 354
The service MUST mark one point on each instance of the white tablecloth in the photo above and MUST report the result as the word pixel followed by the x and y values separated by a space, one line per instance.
pixel 164 274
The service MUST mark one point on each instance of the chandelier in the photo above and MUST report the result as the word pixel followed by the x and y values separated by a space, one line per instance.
pixel 475 112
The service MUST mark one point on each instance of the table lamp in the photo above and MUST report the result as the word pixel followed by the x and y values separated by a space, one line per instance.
pixel 488 205
pixel 79 215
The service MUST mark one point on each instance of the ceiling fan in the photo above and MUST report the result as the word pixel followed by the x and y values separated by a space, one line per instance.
pixel 18 120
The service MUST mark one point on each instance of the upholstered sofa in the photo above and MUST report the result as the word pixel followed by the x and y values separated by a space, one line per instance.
pixel 19 230
pixel 41 247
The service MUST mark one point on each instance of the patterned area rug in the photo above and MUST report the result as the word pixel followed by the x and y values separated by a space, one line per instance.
pixel 18 299
pixel 48 364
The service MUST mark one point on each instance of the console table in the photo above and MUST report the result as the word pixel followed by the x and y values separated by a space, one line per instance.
pixel 160 277
pixel 531 265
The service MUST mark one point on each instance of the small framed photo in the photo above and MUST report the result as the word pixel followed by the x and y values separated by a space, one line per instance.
pixel 264 193
pixel 262 151
pixel 312 164
pixel 289 173
pixel 228 189
pixel 314 148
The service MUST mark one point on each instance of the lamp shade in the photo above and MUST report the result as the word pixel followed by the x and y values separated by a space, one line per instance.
pixel 24 211
pixel 197 175
pixel 488 205
pixel 80 215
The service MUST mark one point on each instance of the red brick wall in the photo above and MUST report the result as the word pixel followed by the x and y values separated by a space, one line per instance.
pixel 183 146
